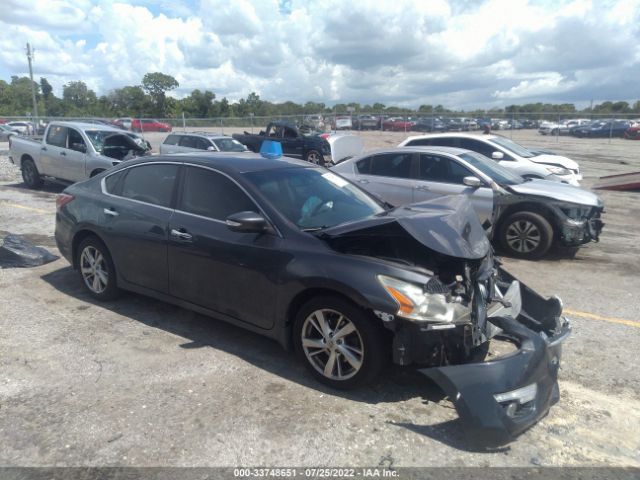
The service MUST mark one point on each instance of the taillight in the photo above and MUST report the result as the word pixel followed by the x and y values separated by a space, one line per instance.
pixel 62 199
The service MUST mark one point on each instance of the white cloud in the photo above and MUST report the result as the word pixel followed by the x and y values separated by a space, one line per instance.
pixel 458 53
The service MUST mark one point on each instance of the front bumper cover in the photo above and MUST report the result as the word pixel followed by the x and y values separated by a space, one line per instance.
pixel 539 331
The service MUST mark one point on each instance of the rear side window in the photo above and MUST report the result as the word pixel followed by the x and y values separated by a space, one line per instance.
pixel 392 165
pixel 477 146
pixel 201 143
pixel 444 142
pixel 212 195
pixel 171 140
pixel 57 136
pixel 150 184
pixel 364 166
pixel 187 141
pixel 113 183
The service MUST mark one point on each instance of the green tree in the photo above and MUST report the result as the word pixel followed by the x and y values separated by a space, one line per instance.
pixel 129 100
pixel 156 84
pixel 78 98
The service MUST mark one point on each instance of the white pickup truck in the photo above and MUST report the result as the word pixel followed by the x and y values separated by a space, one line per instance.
pixel 73 151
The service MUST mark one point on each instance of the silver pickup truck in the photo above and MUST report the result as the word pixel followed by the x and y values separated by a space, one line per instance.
pixel 73 151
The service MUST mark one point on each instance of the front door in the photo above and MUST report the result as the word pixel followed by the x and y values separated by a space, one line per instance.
pixel 439 175
pixel 209 265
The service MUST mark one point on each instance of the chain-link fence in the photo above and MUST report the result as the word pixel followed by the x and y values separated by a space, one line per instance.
pixel 551 124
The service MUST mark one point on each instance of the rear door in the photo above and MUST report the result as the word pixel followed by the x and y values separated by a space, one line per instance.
pixel 209 265
pixel 439 175
pixel 388 175
pixel 136 214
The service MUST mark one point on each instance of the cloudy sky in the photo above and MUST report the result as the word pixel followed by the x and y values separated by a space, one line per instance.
pixel 464 53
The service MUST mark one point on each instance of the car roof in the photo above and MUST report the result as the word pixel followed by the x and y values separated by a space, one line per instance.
pixel 227 162
pixel 454 134
pixel 423 149
pixel 87 126
pixel 213 136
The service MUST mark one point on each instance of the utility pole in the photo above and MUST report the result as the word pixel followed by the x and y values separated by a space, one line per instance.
pixel 33 90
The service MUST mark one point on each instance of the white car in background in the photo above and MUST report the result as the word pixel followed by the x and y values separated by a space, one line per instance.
pixel 552 128
pixel 23 128
pixel 507 153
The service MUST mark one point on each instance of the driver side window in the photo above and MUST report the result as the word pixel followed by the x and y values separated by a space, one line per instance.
pixel 75 141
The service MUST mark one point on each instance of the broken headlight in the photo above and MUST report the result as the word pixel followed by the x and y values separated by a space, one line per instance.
pixel 576 212
pixel 415 304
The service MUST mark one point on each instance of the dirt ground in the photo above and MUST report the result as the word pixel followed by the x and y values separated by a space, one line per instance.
pixel 142 383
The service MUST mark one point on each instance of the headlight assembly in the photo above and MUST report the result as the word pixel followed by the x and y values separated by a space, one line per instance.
pixel 557 170
pixel 415 304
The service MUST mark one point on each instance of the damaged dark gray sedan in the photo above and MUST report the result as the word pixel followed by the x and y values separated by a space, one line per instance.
pixel 301 255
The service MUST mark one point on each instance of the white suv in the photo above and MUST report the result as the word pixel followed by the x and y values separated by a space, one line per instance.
pixel 507 153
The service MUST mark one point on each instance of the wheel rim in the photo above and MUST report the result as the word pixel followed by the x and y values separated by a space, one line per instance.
pixel 313 157
pixel 93 267
pixel 332 344
pixel 28 173
pixel 523 236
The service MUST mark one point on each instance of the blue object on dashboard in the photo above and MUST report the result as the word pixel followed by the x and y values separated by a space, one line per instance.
pixel 271 149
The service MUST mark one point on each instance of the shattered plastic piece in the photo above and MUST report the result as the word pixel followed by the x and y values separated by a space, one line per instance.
pixel 15 251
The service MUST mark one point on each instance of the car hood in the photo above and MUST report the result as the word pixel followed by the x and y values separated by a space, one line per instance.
pixel 555 160
pixel 447 225
pixel 556 191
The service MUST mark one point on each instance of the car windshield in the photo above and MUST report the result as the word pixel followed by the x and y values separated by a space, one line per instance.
pixel 512 147
pixel 314 198
pixel 96 137
pixel 229 145
pixel 491 169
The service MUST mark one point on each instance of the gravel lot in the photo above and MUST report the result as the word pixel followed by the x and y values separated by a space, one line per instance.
pixel 142 383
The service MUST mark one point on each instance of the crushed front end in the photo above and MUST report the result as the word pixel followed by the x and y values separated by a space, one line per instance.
pixel 499 398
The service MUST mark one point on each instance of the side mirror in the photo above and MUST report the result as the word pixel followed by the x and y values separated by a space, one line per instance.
pixel 247 222
pixel 473 182
pixel 497 155
pixel 79 147
pixel 211 148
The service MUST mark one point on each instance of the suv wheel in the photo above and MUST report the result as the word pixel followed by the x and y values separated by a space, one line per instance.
pixel 97 270
pixel 30 174
pixel 339 343
pixel 526 235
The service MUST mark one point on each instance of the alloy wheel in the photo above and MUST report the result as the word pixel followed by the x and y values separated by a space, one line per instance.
pixel 332 344
pixel 94 271
pixel 314 157
pixel 523 236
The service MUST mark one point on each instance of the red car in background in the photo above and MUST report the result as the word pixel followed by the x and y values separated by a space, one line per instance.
pixel 149 125
pixel 397 124
pixel 633 133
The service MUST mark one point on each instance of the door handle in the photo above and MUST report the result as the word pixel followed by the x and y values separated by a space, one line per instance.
pixel 423 187
pixel 362 181
pixel 44 149
pixel 181 235
pixel 110 212
pixel 64 154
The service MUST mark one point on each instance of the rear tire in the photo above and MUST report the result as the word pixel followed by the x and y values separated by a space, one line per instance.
pixel 30 174
pixel 315 157
pixel 526 235
pixel 96 269
pixel 340 361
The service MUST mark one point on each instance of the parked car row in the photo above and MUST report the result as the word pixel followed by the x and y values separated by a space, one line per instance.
pixel 584 128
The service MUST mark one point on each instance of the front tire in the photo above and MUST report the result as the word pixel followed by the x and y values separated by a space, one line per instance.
pixel 338 343
pixel 97 270
pixel 315 157
pixel 526 235
pixel 30 174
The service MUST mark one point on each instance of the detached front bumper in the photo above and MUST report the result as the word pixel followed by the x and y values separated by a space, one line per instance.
pixel 499 399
